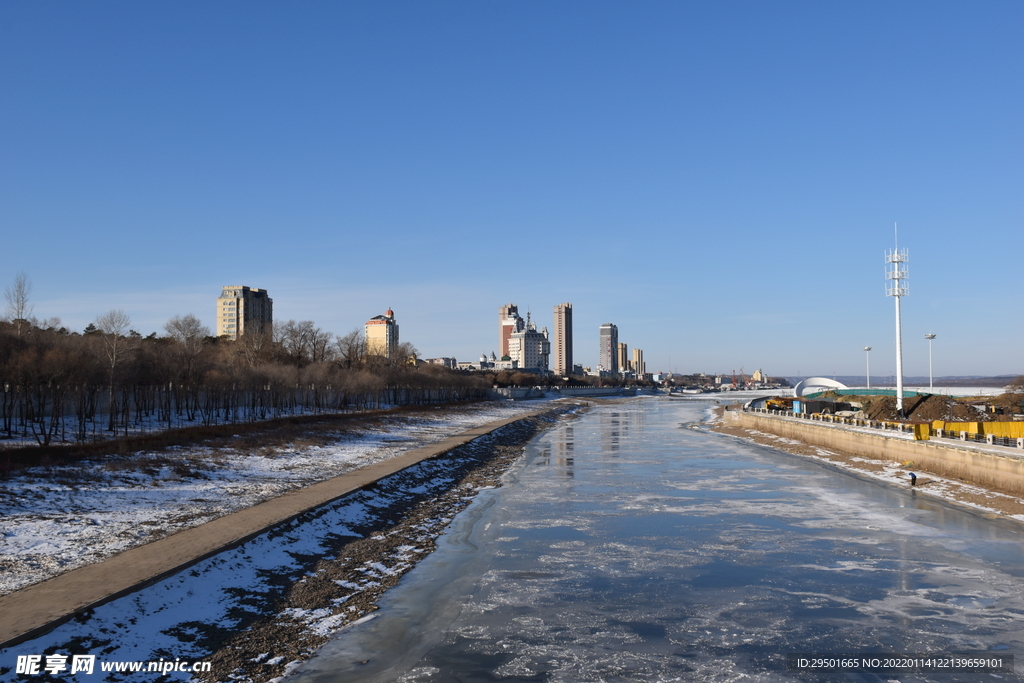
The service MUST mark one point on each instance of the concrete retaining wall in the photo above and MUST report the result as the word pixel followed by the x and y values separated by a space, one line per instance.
pixel 516 393
pixel 590 391
pixel 999 472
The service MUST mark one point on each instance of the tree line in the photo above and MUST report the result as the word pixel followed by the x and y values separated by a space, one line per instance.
pixel 58 385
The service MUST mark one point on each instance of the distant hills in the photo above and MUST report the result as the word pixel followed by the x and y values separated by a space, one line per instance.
pixel 917 381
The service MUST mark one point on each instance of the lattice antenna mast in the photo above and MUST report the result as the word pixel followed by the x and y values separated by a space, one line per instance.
pixel 897 274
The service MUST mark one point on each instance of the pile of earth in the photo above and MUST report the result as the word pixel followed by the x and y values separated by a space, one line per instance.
pixel 920 408
pixel 1009 404
pixel 923 408
pixel 930 407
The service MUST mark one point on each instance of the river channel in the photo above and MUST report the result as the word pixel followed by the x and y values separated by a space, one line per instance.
pixel 628 546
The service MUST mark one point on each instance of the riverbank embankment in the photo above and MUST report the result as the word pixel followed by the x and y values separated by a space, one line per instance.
pixel 64 515
pixel 981 478
pixel 39 608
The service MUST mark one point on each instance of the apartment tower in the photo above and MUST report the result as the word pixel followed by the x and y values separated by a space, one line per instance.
pixel 623 357
pixel 382 335
pixel 508 322
pixel 563 339
pixel 243 310
pixel 608 337
pixel 638 362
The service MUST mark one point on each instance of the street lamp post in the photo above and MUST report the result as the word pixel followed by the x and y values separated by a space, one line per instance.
pixel 867 357
pixel 930 337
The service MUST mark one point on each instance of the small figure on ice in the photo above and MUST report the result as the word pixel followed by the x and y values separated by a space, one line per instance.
pixel 913 478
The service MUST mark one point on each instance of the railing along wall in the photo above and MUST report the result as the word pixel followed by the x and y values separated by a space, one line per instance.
pixel 901 427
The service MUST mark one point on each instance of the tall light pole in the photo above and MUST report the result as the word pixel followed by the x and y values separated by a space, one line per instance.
pixel 867 356
pixel 930 337
pixel 896 270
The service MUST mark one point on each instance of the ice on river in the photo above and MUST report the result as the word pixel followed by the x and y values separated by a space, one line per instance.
pixel 627 548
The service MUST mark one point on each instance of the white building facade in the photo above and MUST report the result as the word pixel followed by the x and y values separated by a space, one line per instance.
pixel 530 349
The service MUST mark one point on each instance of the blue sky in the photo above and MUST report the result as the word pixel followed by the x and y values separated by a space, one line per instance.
pixel 718 179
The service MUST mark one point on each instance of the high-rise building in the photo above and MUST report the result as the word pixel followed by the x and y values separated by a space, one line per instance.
pixel 243 310
pixel 381 335
pixel 563 339
pixel 529 347
pixel 608 336
pixel 623 357
pixel 638 362
pixel 508 322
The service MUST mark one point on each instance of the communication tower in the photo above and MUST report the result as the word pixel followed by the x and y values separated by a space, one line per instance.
pixel 896 274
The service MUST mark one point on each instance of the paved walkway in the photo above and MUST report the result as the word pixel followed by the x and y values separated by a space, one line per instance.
pixel 36 609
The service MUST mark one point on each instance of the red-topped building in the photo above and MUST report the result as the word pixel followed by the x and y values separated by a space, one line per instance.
pixel 382 334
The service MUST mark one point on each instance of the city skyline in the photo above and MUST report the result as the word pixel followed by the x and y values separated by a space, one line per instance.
pixel 721 181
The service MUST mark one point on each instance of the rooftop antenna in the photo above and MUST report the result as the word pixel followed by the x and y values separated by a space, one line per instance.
pixel 896 271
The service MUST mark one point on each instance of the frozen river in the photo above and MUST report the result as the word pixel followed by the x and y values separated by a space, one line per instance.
pixel 628 547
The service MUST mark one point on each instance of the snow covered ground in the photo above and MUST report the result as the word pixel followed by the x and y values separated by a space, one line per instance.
pixel 62 517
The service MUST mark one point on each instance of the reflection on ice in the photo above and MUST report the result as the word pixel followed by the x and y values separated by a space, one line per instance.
pixel 626 549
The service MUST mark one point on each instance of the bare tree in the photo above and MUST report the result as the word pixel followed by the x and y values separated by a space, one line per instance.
pixel 117 345
pixel 320 345
pixel 301 341
pixel 254 347
pixel 52 323
pixel 18 307
pixel 351 348
pixel 405 354
pixel 115 322
pixel 189 334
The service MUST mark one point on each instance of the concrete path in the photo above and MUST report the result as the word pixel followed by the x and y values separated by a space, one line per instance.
pixel 36 609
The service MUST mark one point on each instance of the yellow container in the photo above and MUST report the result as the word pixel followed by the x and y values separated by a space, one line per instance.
pixel 922 432
pixel 1014 430
pixel 969 427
